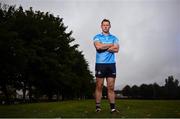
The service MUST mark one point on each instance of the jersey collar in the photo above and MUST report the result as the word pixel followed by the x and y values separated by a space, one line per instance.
pixel 106 35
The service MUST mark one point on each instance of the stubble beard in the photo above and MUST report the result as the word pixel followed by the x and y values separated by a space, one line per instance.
pixel 106 31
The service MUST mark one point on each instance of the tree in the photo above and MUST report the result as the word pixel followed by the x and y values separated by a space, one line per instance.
pixel 126 91
pixel 135 91
pixel 171 87
pixel 36 56
pixel 153 91
pixel 156 91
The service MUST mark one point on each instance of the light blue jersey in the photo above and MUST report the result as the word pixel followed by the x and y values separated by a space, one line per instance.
pixel 105 57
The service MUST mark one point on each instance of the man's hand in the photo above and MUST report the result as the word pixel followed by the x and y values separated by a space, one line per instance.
pixel 114 48
pixel 101 46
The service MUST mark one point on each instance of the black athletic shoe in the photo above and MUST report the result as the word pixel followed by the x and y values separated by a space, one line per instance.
pixel 114 111
pixel 98 109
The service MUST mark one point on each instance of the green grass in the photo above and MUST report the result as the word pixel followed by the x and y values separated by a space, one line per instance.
pixel 86 108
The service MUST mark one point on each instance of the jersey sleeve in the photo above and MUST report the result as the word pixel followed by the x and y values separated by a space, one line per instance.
pixel 116 40
pixel 96 39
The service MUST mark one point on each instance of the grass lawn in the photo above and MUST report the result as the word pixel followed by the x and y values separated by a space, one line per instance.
pixel 86 108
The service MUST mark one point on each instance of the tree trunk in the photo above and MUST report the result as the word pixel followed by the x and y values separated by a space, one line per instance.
pixel 4 89
pixel 57 95
pixel 30 92
pixel 24 92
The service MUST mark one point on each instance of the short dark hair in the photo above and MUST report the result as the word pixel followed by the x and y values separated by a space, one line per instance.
pixel 105 20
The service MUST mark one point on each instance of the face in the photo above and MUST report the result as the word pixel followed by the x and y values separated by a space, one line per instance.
pixel 105 26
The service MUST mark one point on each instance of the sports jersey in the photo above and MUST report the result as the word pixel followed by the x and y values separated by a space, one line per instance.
pixel 105 57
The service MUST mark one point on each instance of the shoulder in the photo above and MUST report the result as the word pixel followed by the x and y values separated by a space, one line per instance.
pixel 114 37
pixel 97 36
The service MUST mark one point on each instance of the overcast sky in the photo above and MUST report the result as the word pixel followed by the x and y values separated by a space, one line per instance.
pixel 149 33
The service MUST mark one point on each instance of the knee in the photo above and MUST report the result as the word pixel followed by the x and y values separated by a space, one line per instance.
pixel 99 87
pixel 110 88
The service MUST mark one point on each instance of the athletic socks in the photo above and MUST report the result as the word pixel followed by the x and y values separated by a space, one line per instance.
pixel 98 105
pixel 98 108
pixel 112 106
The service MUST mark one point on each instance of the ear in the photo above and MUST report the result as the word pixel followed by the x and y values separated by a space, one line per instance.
pixel 101 25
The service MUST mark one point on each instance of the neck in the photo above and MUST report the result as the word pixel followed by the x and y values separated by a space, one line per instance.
pixel 105 33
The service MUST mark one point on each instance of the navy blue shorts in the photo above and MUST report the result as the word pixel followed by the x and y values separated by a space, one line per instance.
pixel 105 70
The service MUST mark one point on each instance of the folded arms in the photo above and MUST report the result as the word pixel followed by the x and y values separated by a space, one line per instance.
pixel 100 47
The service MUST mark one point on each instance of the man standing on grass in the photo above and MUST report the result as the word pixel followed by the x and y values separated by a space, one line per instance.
pixel 106 46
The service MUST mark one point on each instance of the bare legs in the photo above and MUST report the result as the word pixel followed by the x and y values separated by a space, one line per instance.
pixel 110 91
pixel 98 91
pixel 110 87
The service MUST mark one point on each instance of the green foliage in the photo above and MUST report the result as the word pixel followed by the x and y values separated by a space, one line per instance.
pixel 36 56
pixel 171 90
